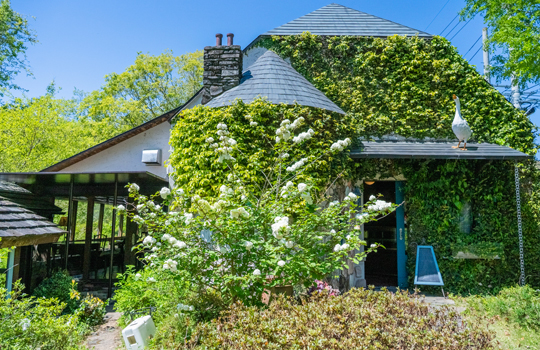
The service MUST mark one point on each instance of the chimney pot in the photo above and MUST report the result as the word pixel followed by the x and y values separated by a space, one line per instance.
pixel 219 36
pixel 230 37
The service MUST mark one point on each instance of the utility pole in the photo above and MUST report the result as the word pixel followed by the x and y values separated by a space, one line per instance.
pixel 516 94
pixel 486 54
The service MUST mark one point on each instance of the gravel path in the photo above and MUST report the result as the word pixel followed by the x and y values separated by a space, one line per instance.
pixel 108 336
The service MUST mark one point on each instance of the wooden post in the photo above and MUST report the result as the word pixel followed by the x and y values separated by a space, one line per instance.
pixel 70 219
pixel 120 225
pixel 88 238
pixel 131 238
pixel 100 220
pixel 115 202
pixel 74 220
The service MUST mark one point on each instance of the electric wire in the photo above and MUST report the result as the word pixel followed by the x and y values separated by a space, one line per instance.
pixel 451 30
pixel 461 29
pixel 480 37
pixel 448 25
pixel 477 51
pixel 430 23
pixel 531 87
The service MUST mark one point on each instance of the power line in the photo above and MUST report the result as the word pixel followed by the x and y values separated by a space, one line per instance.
pixel 480 37
pixel 461 29
pixel 430 23
pixel 470 59
pixel 449 24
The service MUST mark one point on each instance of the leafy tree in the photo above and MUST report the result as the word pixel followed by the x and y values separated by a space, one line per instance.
pixel 14 38
pixel 515 33
pixel 147 89
pixel 38 132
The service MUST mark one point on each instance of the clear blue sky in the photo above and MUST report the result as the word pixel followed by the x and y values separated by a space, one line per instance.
pixel 82 41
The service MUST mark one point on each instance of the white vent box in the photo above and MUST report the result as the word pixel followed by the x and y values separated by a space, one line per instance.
pixel 138 333
pixel 151 156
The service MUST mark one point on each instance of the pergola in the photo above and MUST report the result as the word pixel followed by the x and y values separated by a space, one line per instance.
pixel 93 188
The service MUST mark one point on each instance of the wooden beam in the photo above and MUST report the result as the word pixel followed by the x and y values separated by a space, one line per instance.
pixel 100 220
pixel 74 220
pixel 120 225
pixel 88 238
pixel 131 238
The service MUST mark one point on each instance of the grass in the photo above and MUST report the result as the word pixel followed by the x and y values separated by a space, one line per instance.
pixel 513 316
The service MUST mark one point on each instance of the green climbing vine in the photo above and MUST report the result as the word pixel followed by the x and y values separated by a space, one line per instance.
pixel 402 86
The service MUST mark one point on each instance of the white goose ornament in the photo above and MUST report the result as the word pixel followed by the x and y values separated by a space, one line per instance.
pixel 460 127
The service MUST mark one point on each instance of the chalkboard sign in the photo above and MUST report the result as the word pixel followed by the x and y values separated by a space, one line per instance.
pixel 427 270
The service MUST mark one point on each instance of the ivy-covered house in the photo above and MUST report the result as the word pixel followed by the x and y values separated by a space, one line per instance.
pixel 390 87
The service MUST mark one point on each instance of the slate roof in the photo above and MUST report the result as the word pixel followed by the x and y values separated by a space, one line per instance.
pixel 273 78
pixel 335 19
pixel 20 226
pixel 433 149
pixel 25 198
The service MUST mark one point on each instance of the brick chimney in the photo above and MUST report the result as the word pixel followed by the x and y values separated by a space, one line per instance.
pixel 222 67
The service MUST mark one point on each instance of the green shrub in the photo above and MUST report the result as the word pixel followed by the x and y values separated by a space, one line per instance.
pixel 58 286
pixel 135 292
pixel 91 310
pixel 520 305
pixel 360 319
pixel 31 323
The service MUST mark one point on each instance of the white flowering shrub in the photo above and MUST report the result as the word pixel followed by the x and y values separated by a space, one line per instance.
pixel 242 241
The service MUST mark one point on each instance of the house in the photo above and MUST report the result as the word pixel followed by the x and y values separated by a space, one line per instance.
pixel 140 154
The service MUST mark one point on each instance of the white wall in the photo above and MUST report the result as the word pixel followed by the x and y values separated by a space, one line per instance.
pixel 127 155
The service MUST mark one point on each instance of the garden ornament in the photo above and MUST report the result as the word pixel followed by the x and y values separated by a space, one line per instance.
pixel 460 127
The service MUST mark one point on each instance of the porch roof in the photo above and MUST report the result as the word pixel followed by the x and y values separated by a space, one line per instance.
pixel 99 185
pixel 433 149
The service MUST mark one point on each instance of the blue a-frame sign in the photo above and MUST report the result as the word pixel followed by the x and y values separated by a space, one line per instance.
pixel 427 270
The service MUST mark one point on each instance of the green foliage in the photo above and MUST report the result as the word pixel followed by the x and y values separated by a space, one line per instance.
pixel 38 132
pixel 198 170
pixel 520 305
pixel 150 87
pixel 14 38
pixel 514 36
pixel 58 286
pixel 359 319
pixel 30 323
pixel 404 86
pixel 134 292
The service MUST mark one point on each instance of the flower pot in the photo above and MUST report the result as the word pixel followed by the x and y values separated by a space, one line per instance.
pixel 269 294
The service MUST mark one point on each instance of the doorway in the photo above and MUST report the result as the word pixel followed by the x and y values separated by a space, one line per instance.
pixel 382 267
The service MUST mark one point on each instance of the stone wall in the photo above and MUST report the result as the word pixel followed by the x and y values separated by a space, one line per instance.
pixel 222 70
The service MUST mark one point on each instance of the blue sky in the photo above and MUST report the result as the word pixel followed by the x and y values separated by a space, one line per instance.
pixel 82 41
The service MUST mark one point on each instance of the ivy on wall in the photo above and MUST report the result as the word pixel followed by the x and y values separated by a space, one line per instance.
pixel 196 165
pixel 402 86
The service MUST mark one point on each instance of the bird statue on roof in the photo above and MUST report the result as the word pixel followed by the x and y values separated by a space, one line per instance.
pixel 460 127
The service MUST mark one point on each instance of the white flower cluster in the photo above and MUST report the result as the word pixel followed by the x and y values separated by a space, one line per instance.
pixel 350 197
pixel 225 191
pixel 165 192
pixel 149 240
pixel 297 165
pixel 134 188
pixel 285 128
pixel 173 241
pixel 281 223
pixel 304 136
pixel 340 145
pixel 379 205
pixel 334 203
pixel 302 187
pixel 281 263
pixel 286 188
pixel 362 216
pixel 256 272
pixel 344 246
pixel 240 212
pixel 289 244
pixel 121 208
pixel 170 264
pixel 249 245
pixel 251 122
pixel 307 197
pixel 224 148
